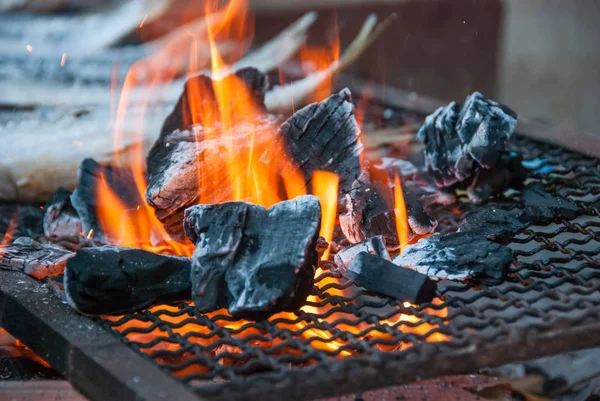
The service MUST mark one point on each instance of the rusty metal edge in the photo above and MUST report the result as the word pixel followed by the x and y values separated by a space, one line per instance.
pixel 90 357
pixel 578 141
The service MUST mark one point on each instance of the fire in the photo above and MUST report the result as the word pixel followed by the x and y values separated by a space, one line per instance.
pixel 320 58
pixel 240 157
pixel 8 235
pixel 325 187
pixel 400 214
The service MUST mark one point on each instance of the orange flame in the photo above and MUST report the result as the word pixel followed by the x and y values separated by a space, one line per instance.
pixel 400 214
pixel 8 235
pixel 240 157
pixel 325 187
pixel 319 58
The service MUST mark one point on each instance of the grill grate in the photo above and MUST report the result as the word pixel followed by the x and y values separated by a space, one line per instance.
pixel 347 339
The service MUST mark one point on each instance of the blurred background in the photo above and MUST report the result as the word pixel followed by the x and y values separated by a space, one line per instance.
pixel 538 56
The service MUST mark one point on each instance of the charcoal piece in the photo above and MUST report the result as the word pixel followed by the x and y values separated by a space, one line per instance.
pixel 183 155
pixel 110 280
pixel 419 220
pixel 21 221
pixel 374 245
pixel 416 183
pixel 251 260
pixel 61 220
pixel 86 201
pixel 369 212
pixel 196 156
pixel 326 136
pixel 459 256
pixel 382 276
pixel 492 222
pixel 34 259
pixel 321 247
pixel 541 207
pixel 459 141
pixel 508 173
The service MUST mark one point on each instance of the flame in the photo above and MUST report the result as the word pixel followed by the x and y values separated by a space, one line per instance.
pixel 400 214
pixel 320 58
pixel 325 187
pixel 240 157
pixel 10 230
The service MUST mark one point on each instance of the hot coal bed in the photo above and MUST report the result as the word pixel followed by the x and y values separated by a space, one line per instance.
pixel 502 263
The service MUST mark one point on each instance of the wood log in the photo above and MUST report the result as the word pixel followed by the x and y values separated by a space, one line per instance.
pixel 541 207
pixel 461 256
pixel 111 280
pixel 326 136
pixel 252 260
pixel 374 245
pixel 34 259
pixel 460 140
pixel 382 276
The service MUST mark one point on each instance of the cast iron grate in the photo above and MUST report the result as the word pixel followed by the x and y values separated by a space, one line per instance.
pixel 349 339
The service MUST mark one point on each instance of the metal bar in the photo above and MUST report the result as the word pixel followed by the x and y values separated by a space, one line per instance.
pixel 571 139
pixel 94 361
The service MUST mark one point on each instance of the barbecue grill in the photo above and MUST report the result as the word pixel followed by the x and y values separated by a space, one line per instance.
pixel 549 304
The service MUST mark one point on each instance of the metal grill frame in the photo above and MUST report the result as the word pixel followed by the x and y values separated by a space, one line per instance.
pixel 93 359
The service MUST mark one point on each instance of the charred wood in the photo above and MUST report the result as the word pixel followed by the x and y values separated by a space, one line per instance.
pixel 508 173
pixel 416 183
pixel 111 280
pixel 459 256
pixel 384 277
pixel 251 260
pixel 492 222
pixel 458 141
pixel 370 212
pixel 86 199
pixel 540 206
pixel 374 245
pixel 34 259
pixel 21 221
pixel 61 220
pixel 326 136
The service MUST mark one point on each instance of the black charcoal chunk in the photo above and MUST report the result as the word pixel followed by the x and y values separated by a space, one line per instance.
pixel 508 173
pixel 21 221
pixel 326 136
pixel 34 259
pixel 419 220
pixel 251 260
pixel 374 245
pixel 459 141
pixel 111 280
pixel 541 207
pixel 458 256
pixel 61 220
pixel 382 276
pixel 86 200
pixel 183 156
pixel 369 212
pixel 416 183
pixel 492 222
